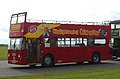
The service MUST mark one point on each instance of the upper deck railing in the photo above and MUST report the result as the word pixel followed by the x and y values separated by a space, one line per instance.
pixel 22 17
pixel 68 22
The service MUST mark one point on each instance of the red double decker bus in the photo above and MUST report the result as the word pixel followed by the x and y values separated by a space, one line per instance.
pixel 48 43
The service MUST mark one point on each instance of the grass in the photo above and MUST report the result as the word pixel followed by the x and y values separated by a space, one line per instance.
pixel 3 52
pixel 109 73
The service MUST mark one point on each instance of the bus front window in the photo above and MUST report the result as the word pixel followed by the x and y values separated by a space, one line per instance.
pixel 17 44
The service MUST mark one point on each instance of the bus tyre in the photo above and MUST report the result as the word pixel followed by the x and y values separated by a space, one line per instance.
pixel 96 58
pixel 48 61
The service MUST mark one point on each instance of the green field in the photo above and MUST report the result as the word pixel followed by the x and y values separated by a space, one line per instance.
pixel 3 52
pixel 108 73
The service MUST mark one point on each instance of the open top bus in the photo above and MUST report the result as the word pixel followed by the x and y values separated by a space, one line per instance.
pixel 50 42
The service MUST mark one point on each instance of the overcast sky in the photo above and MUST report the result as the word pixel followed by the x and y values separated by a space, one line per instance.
pixel 67 10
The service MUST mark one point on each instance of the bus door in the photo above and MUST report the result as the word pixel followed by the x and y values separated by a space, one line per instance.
pixel 33 50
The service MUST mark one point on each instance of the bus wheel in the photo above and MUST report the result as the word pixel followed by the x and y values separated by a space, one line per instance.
pixel 48 61
pixel 96 58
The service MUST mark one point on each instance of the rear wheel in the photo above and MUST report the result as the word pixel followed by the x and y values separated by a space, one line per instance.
pixel 48 61
pixel 96 58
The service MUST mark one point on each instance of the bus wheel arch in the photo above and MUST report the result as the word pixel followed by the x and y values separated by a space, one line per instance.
pixel 95 58
pixel 48 60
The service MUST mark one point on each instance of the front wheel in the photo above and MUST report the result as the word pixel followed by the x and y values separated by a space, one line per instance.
pixel 96 58
pixel 48 61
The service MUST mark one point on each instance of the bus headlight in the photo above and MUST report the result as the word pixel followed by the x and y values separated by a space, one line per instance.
pixel 19 56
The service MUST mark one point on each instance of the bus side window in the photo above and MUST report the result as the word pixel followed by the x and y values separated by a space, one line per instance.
pixel 50 42
pixel 85 41
pixel 53 42
pixel 100 42
pixel 90 42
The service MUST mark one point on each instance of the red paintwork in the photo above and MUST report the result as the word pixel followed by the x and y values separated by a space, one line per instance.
pixel 14 54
